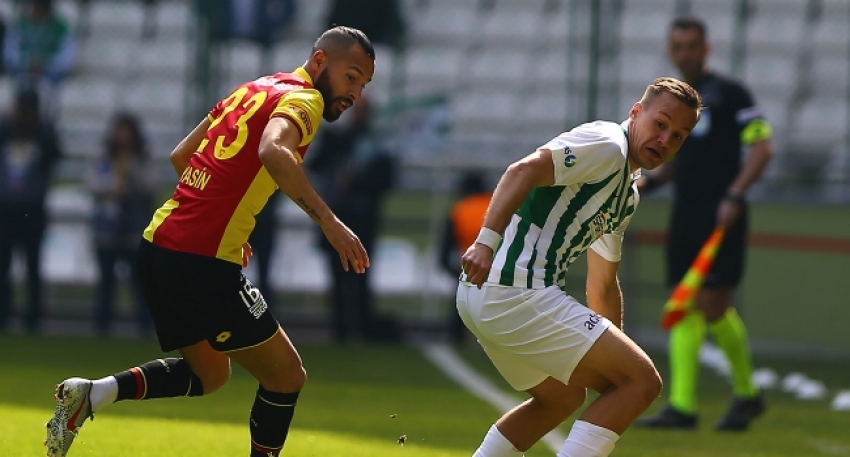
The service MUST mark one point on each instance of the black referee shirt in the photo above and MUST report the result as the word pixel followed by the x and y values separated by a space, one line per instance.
pixel 711 156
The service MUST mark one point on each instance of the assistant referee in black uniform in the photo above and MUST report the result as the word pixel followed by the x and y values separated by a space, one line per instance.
pixel 711 179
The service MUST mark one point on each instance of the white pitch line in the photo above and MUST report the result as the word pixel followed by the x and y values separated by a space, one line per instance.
pixel 445 358
pixel 828 447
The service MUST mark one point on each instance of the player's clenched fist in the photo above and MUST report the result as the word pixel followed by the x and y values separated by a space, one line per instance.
pixel 476 262
pixel 352 254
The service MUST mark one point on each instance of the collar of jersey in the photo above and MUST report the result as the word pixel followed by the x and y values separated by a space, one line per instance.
pixel 302 73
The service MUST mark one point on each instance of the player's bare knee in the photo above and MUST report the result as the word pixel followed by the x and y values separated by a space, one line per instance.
pixel 299 379
pixel 288 380
pixel 649 385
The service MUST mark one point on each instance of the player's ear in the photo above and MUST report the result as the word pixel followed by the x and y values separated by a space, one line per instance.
pixel 319 59
pixel 636 108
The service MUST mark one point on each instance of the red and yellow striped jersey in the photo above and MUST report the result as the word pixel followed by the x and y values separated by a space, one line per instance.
pixel 225 184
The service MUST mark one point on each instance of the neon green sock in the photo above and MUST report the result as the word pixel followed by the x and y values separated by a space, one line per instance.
pixel 731 335
pixel 686 338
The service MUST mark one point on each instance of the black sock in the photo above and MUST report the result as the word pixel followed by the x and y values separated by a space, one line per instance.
pixel 160 378
pixel 270 418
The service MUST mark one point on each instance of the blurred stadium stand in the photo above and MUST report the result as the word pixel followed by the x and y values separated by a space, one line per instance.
pixel 508 75
pixel 470 51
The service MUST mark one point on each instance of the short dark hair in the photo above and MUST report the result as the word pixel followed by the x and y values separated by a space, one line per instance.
pixel 690 22
pixel 679 89
pixel 341 38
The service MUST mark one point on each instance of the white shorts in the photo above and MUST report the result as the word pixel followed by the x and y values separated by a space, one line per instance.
pixel 528 334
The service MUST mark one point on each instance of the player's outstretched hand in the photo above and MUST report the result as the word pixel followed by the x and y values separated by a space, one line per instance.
pixel 476 262
pixel 352 254
pixel 247 252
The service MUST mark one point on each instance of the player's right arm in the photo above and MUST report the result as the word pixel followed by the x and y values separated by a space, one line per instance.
pixel 280 138
pixel 535 170
pixel 181 154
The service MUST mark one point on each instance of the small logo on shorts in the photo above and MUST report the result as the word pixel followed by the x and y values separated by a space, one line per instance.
pixel 253 299
pixel 223 336
pixel 592 321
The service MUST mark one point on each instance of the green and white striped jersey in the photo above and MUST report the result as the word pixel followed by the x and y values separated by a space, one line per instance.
pixel 589 205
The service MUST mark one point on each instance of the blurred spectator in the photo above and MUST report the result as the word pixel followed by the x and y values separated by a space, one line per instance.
pixel 461 228
pixel 380 20
pixel 148 27
pixel 261 21
pixel 29 150
pixel 39 45
pixel 122 183
pixel 2 43
pixel 263 240
pixel 383 23
pixel 357 173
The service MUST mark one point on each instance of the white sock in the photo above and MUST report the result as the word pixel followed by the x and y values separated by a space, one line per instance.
pixel 496 445
pixel 588 440
pixel 103 392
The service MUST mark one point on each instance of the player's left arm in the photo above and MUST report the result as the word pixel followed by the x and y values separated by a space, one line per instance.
pixel 604 295
pixel 182 153
pixel 603 288
pixel 760 153
pixel 730 208
pixel 755 134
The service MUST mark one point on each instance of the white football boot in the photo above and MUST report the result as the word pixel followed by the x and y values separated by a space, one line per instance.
pixel 73 407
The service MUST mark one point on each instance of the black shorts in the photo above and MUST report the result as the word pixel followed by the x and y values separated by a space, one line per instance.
pixel 690 227
pixel 193 298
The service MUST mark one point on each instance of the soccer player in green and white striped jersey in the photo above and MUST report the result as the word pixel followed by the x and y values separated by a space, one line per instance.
pixel 575 192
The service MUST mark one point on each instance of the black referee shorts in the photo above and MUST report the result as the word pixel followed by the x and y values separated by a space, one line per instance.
pixel 193 298
pixel 690 227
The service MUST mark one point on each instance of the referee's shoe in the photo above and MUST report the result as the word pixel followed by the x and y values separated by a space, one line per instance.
pixel 741 412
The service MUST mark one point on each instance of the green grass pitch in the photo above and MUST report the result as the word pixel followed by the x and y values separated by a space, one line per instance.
pixel 347 408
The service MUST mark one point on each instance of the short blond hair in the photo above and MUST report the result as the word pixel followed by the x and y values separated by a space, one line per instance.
pixel 677 88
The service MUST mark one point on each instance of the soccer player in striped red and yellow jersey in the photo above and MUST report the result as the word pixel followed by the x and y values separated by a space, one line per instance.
pixel 192 253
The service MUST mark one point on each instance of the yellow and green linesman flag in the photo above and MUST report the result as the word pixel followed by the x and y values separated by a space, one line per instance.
pixel 682 298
